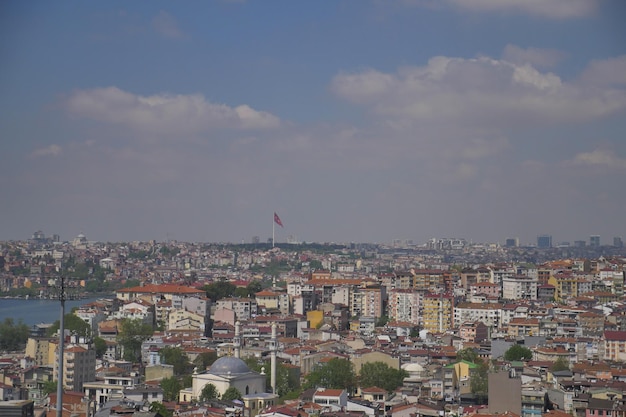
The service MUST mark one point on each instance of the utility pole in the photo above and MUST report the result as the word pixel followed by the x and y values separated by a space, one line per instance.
pixel 61 290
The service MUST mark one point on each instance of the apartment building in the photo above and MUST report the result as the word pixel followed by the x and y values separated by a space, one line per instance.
pixel 404 305
pixel 244 308
pixel 79 366
pixel 489 314
pixel 438 312
pixel 519 287
pixel 367 302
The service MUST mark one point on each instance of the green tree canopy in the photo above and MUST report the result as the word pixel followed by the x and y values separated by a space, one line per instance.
pixel 171 387
pixel 381 375
pixel 467 354
pixel 561 364
pixel 13 336
pixel 219 290
pixel 73 323
pixel 49 387
pixel 231 394
pixel 157 407
pixel 100 345
pixel 336 373
pixel 518 353
pixel 176 357
pixel 479 381
pixel 131 334
pixel 204 360
pixel 285 381
pixel 209 392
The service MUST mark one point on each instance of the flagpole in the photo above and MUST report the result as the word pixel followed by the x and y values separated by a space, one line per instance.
pixel 273 227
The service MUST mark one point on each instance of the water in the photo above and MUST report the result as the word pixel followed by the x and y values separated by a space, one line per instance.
pixel 36 311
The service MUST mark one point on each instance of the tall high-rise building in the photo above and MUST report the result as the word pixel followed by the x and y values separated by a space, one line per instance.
pixel 511 242
pixel 544 241
pixel 594 241
pixel 617 242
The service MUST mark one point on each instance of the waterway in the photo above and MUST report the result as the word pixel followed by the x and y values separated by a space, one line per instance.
pixel 35 311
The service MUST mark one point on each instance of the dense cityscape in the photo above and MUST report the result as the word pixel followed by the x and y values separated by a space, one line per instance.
pixel 445 327
pixel 337 208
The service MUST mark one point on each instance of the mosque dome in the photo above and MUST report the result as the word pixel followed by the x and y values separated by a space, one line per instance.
pixel 413 368
pixel 228 365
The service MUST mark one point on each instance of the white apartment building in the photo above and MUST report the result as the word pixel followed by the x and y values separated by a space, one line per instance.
pixel 519 287
pixel 404 305
pixel 489 314
pixel 244 308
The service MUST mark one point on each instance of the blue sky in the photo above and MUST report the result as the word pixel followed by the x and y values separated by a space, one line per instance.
pixel 354 120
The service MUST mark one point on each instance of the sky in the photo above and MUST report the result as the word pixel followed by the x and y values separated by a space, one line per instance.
pixel 355 121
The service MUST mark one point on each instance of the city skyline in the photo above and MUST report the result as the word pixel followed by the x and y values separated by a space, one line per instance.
pixel 354 121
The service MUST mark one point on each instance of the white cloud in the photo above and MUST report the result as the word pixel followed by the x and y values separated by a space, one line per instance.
pixel 481 92
pixel 51 150
pixel 554 9
pixel 603 158
pixel 537 57
pixel 166 25
pixel 606 72
pixel 164 113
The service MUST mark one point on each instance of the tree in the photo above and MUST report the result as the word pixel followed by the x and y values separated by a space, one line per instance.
pixel 176 357
pixel 382 320
pixel 336 373
pixel 285 381
pixel 205 359
pixel 379 374
pixel 73 323
pixel 171 387
pixel 467 354
pixel 220 289
pixel 131 334
pixel 561 364
pixel 157 407
pixel 13 336
pixel 209 392
pixel 479 381
pixel 100 346
pixel 49 387
pixel 518 353
pixel 231 394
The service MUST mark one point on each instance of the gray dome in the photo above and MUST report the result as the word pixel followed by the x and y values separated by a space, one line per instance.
pixel 229 365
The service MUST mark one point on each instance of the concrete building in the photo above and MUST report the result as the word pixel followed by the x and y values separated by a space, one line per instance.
pixel 519 287
pixel 505 393
pixel 79 366
pixel 404 305
pixel 438 312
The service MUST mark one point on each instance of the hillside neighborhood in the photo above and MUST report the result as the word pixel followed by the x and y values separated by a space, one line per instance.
pixel 445 328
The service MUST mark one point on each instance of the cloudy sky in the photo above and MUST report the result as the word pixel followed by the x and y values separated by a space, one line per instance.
pixel 360 120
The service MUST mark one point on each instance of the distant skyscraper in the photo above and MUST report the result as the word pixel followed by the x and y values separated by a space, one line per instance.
pixel 255 239
pixel 580 243
pixel 544 241
pixel 617 242
pixel 511 242
pixel 594 241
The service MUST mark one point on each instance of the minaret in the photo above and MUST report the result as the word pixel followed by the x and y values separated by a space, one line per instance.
pixel 237 340
pixel 273 346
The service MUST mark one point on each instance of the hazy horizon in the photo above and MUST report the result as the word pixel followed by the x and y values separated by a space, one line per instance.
pixel 355 121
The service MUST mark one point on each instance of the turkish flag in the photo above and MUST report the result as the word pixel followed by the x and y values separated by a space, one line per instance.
pixel 277 220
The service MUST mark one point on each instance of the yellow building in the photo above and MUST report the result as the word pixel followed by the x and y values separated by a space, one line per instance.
pixel 42 350
pixel 268 299
pixel 315 318
pixel 437 312
pixel 457 376
pixel 359 358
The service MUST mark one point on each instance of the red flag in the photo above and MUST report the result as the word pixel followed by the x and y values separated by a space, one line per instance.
pixel 277 220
